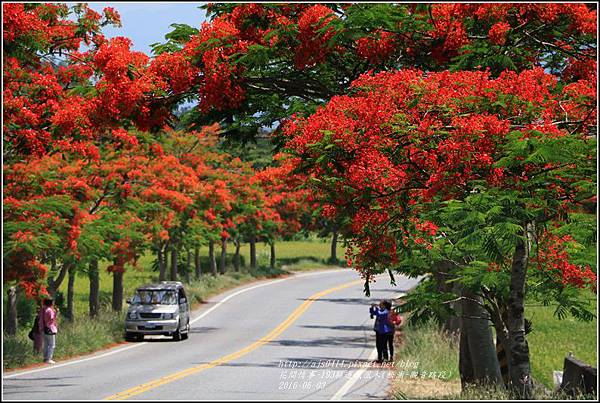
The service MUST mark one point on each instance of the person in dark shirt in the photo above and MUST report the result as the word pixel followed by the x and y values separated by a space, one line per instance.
pixel 384 330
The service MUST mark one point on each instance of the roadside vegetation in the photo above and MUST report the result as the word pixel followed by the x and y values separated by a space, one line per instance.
pixel 436 351
pixel 432 349
pixel 551 340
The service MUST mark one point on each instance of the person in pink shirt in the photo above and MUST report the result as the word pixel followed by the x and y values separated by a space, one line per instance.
pixel 49 329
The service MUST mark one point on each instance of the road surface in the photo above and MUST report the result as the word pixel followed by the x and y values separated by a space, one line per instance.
pixel 307 336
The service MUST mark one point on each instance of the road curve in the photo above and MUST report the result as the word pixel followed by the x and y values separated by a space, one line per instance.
pixel 307 336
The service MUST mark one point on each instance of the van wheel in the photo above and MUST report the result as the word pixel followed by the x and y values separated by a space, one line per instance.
pixel 130 336
pixel 185 335
pixel 177 335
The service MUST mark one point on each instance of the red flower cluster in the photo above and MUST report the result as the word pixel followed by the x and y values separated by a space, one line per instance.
pixel 313 46
pixel 553 257
pixel 497 33
pixel 173 72
pixel 378 47
pixel 20 21
pixel 220 86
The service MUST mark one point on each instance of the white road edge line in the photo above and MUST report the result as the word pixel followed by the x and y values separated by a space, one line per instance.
pixel 243 290
pixel 72 362
pixel 355 377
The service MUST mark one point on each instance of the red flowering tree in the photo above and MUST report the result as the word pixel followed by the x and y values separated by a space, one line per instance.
pixel 410 158
pixel 262 62
pixel 286 196
pixel 251 218
pixel 203 222
pixel 36 85
pixel 69 132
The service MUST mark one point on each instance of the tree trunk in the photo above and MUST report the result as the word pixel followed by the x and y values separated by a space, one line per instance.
pixel 465 361
pixel 54 283
pixel 70 314
pixel 174 254
pixel 273 258
pixel 452 323
pixel 197 265
pixel 519 367
pixel 212 263
pixel 236 256
pixel 11 316
pixel 477 360
pixel 94 299
pixel 443 271
pixel 117 297
pixel 223 261
pixel 253 251
pixel 503 357
pixel 333 258
pixel 188 265
pixel 162 264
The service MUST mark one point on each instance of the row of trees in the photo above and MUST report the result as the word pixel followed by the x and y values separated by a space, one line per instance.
pixel 93 172
pixel 455 140
pixel 470 156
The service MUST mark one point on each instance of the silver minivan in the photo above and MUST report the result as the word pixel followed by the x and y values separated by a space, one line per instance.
pixel 158 309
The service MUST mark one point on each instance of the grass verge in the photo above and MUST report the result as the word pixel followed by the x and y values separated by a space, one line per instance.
pixel 426 363
pixel 431 351
pixel 80 337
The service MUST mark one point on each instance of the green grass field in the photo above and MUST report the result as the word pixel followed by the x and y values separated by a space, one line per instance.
pixel 295 255
pixel 549 343
pixel 551 340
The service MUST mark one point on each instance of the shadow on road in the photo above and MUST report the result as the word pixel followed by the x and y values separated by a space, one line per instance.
pixel 339 327
pixel 347 301
pixel 203 329
pixel 324 342
pixel 62 378
pixel 12 386
pixel 308 363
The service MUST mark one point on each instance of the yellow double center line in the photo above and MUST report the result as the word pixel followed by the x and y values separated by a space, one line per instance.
pixel 230 357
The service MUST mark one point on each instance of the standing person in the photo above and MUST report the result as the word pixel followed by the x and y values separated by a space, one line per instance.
pixel 49 329
pixel 395 320
pixel 36 334
pixel 383 329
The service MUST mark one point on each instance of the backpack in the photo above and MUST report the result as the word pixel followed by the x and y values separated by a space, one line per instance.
pixel 34 329
pixel 395 319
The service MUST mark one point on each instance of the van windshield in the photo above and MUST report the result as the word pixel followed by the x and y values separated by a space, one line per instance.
pixel 155 297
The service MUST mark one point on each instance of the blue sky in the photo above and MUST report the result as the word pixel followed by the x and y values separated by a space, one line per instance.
pixel 146 23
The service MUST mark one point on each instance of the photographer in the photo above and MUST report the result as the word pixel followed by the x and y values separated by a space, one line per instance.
pixel 384 330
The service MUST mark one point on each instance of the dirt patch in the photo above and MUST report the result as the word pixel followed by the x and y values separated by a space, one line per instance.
pixel 411 388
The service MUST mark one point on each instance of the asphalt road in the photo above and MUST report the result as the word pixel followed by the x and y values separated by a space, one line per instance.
pixel 307 336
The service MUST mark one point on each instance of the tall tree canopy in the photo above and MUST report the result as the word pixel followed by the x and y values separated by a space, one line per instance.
pixel 260 63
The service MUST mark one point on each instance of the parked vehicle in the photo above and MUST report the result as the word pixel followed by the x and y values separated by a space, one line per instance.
pixel 158 309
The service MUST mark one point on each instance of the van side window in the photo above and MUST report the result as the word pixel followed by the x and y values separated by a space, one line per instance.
pixel 181 293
